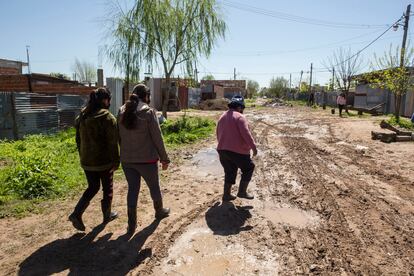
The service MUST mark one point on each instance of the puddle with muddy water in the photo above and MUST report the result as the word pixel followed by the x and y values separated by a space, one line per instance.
pixel 206 162
pixel 199 252
pixel 288 215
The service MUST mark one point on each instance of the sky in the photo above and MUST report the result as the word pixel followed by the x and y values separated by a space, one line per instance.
pixel 264 38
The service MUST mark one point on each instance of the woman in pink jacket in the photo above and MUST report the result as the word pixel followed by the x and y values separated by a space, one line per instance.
pixel 234 144
pixel 341 102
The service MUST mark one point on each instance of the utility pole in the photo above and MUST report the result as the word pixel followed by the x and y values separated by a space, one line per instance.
pixel 311 97
pixel 234 73
pixel 28 59
pixel 407 18
pixel 402 65
pixel 290 82
pixel 333 79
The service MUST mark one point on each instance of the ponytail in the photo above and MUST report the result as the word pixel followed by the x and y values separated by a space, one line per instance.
pixel 95 101
pixel 129 118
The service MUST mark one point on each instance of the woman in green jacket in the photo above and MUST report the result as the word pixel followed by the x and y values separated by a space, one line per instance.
pixel 97 143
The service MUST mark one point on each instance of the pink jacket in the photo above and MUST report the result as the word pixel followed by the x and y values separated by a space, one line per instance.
pixel 341 100
pixel 233 133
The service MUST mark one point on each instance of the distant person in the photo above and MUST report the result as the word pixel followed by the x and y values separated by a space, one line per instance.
pixel 142 146
pixel 97 143
pixel 311 99
pixel 341 102
pixel 234 144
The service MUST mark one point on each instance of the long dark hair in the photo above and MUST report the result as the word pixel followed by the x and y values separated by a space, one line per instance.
pixel 129 118
pixel 95 101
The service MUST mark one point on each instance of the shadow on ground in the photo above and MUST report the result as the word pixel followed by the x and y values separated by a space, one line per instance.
pixel 83 255
pixel 227 219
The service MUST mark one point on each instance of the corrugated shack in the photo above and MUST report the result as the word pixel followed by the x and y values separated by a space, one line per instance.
pixel 367 96
pixel 37 103
pixel 178 93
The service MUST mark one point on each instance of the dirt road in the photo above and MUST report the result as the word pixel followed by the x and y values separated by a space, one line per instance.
pixel 328 201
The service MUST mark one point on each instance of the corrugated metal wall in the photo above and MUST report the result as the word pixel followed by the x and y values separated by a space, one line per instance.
pixel 115 86
pixel 6 116
pixel 37 113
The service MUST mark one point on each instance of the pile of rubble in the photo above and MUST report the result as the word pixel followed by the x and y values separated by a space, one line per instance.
pixel 214 104
pixel 275 102
pixel 396 136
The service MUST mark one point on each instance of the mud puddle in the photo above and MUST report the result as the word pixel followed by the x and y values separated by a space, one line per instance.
pixel 206 163
pixel 199 252
pixel 289 215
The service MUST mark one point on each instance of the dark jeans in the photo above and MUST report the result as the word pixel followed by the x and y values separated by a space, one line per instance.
pixel 94 182
pixel 133 173
pixel 232 161
pixel 341 107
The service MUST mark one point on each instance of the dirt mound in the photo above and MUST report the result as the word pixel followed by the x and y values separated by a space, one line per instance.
pixel 214 104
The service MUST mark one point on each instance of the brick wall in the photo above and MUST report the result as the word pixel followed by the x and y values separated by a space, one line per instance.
pixel 9 71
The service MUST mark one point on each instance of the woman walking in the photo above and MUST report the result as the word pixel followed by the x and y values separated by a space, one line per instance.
pixel 97 143
pixel 341 101
pixel 142 146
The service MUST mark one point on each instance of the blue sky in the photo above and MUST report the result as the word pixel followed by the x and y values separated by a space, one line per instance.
pixel 258 46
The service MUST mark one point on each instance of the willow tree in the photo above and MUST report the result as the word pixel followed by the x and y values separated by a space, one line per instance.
pixel 393 75
pixel 171 33
pixel 124 51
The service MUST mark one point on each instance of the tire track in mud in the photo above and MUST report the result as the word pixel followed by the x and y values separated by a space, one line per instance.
pixel 168 236
pixel 327 206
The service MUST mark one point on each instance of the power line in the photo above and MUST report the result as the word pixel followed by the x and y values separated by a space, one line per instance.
pixel 369 44
pixel 298 19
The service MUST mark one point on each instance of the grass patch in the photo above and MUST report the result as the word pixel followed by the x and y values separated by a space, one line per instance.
pixel 402 123
pixel 42 168
pixel 36 168
pixel 186 130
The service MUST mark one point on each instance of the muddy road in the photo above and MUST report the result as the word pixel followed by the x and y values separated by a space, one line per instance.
pixel 329 201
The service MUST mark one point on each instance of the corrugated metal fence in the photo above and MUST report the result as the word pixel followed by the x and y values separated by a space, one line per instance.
pixel 30 113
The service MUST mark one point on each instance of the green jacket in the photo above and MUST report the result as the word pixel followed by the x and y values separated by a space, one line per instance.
pixel 97 141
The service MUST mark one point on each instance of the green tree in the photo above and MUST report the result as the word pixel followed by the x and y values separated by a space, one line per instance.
pixel 124 51
pixel 391 75
pixel 208 77
pixel 252 88
pixel 59 75
pixel 304 87
pixel 84 71
pixel 277 87
pixel 172 33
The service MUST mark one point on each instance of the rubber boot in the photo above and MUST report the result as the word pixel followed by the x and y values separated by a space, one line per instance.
pixel 227 196
pixel 76 216
pixel 132 220
pixel 108 215
pixel 243 191
pixel 160 211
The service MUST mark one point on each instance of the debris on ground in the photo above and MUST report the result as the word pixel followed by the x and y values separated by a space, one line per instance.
pixel 214 104
pixel 275 102
pixel 397 135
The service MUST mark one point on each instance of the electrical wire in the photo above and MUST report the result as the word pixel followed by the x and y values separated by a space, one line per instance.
pixel 298 19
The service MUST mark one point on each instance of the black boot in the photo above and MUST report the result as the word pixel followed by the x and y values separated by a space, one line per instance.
pixel 132 219
pixel 227 196
pixel 76 216
pixel 243 191
pixel 160 211
pixel 108 215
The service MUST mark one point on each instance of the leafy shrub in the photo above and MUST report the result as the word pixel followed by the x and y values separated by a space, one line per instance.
pixel 403 123
pixel 186 129
pixel 39 166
